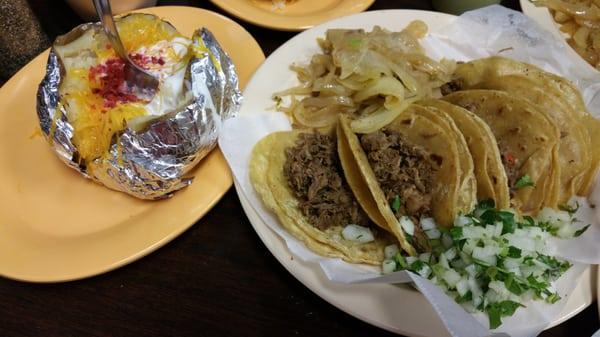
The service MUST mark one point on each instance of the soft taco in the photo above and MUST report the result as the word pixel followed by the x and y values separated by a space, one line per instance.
pixel 527 140
pixel 299 177
pixel 417 167
pixel 554 94
pixel 489 172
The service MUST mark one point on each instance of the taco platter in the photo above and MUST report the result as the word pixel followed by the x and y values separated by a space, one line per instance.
pixel 436 167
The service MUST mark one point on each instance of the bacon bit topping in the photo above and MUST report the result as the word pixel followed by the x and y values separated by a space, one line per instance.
pixel 144 61
pixel 108 80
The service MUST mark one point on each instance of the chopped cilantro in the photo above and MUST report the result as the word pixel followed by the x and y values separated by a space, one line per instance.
pixel 494 316
pixel 396 203
pixel 537 285
pixel 514 252
pixel 491 216
pixel 456 233
pixel 488 217
pixel 553 298
pixel 468 296
pixel 400 261
pixel 548 227
pixel 557 267
pixel 498 310
pixel 568 208
pixel 417 266
pixel 528 221
pixel 524 181
pixel 486 204
pixel 513 285
pixel 581 231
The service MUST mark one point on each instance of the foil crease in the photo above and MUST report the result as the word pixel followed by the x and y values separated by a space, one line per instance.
pixel 154 162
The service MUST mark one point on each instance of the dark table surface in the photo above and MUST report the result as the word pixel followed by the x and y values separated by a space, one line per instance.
pixel 216 279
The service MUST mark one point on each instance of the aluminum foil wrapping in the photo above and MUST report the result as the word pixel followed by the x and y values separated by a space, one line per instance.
pixel 154 162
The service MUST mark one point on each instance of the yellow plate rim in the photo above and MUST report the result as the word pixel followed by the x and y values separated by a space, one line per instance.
pixel 36 267
pixel 247 10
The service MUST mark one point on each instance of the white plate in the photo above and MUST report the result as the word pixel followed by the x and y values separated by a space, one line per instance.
pixel 542 16
pixel 398 309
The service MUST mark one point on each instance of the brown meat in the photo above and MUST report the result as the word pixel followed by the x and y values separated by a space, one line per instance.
pixel 402 170
pixel 315 176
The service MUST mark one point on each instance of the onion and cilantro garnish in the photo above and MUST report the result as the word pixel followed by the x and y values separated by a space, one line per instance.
pixel 492 260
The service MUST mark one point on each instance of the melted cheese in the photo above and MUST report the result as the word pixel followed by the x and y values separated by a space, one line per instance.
pixel 96 127
pixel 142 31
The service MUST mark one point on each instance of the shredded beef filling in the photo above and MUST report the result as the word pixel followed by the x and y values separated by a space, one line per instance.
pixel 403 172
pixel 314 173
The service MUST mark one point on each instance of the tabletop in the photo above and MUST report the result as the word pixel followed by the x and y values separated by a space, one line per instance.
pixel 216 279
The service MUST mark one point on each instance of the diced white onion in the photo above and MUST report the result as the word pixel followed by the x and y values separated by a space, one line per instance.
pixel 491 296
pixel 472 232
pixel 425 257
pixel 516 271
pixel 410 259
pixel 490 231
pixel 433 233
pixel 427 224
pixel 388 266
pixel 450 253
pixel 499 228
pixel 390 251
pixel 425 271
pixel 510 263
pixel 500 289
pixel 462 220
pixel 553 216
pixel 520 240
pixel 535 232
pixel 566 232
pixel 477 300
pixel 471 270
pixel 447 240
pixel 407 225
pixel 451 277
pixel 469 307
pixel 475 290
pixel 462 287
pixel 443 262
pixel 469 246
pixel 483 254
pixel 526 271
pixel 357 233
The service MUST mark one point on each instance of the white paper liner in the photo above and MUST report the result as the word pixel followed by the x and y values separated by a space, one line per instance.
pixel 476 34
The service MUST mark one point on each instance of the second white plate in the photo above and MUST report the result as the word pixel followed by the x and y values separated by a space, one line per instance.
pixel 399 309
